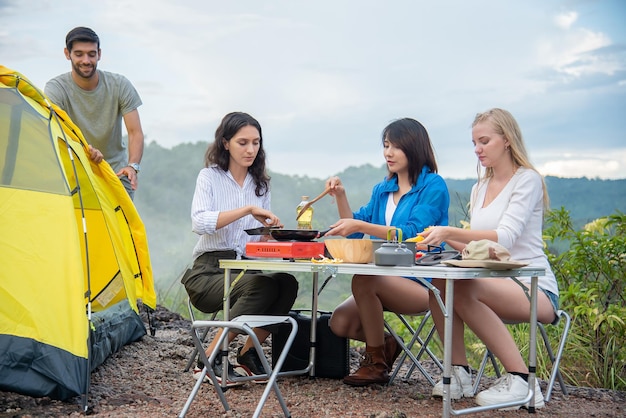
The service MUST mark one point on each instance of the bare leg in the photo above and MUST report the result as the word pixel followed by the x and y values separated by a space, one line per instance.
pixel 345 321
pixel 370 310
pixel 374 294
pixel 371 296
pixel 483 304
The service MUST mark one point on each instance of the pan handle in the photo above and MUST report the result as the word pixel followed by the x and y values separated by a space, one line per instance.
pixel 322 233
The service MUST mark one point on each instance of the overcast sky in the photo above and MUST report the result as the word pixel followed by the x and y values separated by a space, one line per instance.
pixel 324 77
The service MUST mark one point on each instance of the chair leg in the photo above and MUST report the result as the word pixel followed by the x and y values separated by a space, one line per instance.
pixel 194 352
pixel 406 348
pixel 427 350
pixel 423 343
pixel 556 359
pixel 481 370
pixel 207 361
pixel 271 384
pixel 245 324
pixel 423 349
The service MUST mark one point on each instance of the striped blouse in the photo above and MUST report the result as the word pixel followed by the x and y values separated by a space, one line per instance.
pixel 216 190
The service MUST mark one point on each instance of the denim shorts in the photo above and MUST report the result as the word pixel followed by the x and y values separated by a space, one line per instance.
pixel 416 280
pixel 554 300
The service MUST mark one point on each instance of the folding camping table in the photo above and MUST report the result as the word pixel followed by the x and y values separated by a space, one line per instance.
pixel 450 274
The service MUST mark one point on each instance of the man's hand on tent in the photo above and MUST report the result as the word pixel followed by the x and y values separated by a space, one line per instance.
pixel 95 155
pixel 129 172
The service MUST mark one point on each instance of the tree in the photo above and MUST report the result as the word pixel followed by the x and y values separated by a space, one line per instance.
pixel 591 272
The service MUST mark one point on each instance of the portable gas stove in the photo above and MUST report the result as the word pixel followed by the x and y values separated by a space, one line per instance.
pixel 285 249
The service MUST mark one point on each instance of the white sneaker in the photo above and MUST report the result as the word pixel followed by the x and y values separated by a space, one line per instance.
pixel 509 388
pixel 460 384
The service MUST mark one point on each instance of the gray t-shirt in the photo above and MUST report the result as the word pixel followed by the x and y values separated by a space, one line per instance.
pixel 98 113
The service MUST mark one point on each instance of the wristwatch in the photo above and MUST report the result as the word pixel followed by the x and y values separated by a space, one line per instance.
pixel 135 167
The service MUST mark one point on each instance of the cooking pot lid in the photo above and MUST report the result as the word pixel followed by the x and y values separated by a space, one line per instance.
pixel 436 257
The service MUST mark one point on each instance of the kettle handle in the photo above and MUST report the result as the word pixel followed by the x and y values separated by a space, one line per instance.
pixel 398 232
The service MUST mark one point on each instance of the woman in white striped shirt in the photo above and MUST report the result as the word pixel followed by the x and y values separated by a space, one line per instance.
pixel 232 194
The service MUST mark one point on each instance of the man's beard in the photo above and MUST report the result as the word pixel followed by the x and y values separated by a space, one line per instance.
pixel 85 72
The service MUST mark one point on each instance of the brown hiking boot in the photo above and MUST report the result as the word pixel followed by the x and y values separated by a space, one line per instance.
pixel 373 369
pixel 392 350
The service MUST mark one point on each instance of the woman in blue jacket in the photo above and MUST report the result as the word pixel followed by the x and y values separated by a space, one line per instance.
pixel 411 198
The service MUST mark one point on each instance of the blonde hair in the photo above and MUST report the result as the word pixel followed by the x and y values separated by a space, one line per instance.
pixel 505 124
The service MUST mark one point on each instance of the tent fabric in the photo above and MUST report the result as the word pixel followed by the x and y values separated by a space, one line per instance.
pixel 113 328
pixel 35 369
pixel 73 250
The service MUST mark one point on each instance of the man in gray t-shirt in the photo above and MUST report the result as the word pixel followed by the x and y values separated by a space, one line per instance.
pixel 97 101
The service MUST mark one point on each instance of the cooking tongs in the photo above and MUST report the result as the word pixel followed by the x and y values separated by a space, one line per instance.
pixel 310 202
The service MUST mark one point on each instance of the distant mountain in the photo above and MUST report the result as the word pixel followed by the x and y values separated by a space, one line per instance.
pixel 168 179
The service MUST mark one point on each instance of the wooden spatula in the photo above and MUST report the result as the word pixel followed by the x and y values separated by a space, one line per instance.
pixel 308 205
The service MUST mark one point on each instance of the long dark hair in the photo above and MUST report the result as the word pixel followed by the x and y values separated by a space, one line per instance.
pixel 217 154
pixel 412 138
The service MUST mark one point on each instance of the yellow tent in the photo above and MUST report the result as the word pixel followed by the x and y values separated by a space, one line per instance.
pixel 73 251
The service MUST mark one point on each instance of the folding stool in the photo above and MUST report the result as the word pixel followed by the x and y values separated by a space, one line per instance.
pixel 243 324
pixel 194 353
pixel 554 359
pixel 406 348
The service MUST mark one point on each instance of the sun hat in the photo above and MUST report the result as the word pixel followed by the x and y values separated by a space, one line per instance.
pixel 487 254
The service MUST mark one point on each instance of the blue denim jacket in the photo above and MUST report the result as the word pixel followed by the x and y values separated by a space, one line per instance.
pixel 426 204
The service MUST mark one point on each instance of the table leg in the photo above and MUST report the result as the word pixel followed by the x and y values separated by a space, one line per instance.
pixel 447 346
pixel 226 300
pixel 313 336
pixel 532 356
pixel 226 309
pixel 532 350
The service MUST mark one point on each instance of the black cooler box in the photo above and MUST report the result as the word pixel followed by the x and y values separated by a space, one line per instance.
pixel 331 354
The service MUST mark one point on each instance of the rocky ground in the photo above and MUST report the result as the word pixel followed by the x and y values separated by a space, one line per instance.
pixel 146 379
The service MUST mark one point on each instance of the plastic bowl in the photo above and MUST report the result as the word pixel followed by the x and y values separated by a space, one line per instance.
pixel 357 251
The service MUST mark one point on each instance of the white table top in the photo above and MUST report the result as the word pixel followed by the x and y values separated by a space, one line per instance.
pixel 439 271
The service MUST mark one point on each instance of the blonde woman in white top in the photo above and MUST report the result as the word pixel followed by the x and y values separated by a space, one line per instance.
pixel 507 206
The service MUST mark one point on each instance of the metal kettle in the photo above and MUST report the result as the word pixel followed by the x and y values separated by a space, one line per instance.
pixel 394 253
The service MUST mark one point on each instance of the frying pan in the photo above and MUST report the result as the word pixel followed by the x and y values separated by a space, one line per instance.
pixel 436 257
pixel 280 234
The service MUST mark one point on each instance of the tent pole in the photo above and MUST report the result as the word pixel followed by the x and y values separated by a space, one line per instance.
pixel 77 190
